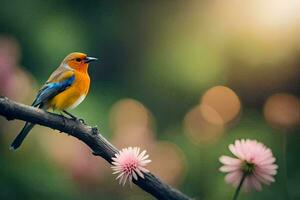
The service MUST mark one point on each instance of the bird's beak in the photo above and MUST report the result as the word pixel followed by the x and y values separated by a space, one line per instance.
pixel 89 59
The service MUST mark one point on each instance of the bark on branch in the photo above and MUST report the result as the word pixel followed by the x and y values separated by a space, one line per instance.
pixel 90 136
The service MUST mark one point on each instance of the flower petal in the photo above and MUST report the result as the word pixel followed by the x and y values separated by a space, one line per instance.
pixel 226 160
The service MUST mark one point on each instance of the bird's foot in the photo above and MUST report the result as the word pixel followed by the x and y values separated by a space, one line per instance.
pixel 74 117
pixel 81 121
pixel 78 120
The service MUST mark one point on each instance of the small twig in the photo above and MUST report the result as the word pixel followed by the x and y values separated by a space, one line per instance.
pixel 91 137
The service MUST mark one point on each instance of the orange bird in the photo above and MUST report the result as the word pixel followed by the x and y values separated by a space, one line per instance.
pixel 66 88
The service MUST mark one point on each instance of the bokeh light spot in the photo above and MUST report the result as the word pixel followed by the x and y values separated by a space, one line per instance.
pixel 198 130
pixel 129 112
pixel 131 123
pixel 282 111
pixel 173 169
pixel 210 114
pixel 220 105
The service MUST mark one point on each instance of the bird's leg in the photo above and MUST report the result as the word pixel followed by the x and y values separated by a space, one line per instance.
pixel 70 115
pixel 73 117
pixel 63 118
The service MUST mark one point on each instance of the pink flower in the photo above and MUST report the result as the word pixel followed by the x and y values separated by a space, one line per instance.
pixel 254 160
pixel 128 163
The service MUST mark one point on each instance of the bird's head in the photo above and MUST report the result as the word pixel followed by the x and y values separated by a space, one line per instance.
pixel 78 61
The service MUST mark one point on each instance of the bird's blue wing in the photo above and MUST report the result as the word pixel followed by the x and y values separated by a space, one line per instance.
pixel 49 90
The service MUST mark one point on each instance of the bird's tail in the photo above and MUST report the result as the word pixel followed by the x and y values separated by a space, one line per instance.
pixel 19 139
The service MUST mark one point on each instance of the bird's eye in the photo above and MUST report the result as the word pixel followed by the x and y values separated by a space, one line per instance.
pixel 78 59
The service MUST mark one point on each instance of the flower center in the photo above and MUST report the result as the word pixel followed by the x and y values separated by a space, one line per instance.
pixel 248 167
pixel 130 167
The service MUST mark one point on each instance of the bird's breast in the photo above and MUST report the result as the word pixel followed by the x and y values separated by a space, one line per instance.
pixel 73 95
pixel 78 101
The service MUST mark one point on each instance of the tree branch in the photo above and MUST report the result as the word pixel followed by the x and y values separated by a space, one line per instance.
pixel 91 137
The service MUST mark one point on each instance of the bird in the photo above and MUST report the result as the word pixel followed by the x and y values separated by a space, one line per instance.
pixel 65 89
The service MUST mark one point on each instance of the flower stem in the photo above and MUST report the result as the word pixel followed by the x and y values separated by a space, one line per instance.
pixel 239 187
pixel 284 145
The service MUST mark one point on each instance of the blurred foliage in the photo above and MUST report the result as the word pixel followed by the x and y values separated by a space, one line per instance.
pixel 158 62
